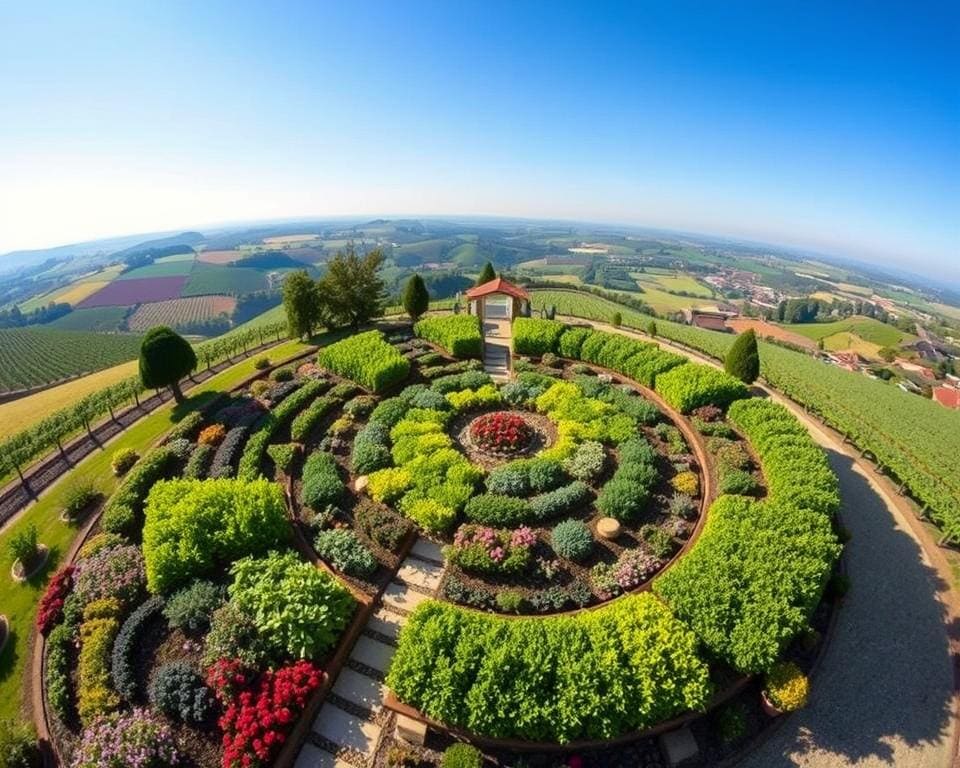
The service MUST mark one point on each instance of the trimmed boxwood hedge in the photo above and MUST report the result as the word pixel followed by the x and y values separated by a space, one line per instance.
pixel 366 359
pixel 591 675
pixel 532 336
pixel 457 334
pixel 123 512
pixel 692 385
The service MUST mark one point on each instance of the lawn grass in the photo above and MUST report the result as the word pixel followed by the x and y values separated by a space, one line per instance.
pixel 18 601
pixel 676 281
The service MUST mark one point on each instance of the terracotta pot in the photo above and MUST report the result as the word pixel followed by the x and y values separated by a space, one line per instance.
pixel 769 708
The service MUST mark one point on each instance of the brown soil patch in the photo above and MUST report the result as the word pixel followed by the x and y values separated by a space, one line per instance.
pixel 770 331
pixel 220 257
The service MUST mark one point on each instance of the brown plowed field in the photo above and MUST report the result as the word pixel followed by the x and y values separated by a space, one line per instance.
pixel 770 331
pixel 180 311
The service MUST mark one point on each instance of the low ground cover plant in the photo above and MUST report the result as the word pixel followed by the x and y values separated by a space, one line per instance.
pixel 344 551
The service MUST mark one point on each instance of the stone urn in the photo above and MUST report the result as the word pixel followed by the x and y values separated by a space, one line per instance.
pixel 608 528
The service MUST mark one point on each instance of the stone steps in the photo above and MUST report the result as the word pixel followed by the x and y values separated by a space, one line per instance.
pixel 349 725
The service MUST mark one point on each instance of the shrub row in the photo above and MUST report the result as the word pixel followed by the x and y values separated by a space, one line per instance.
pixel 270 423
pixel 590 675
pixel 692 385
pixel 122 512
pixel 122 666
pixel 532 336
pixel 457 334
pixel 306 420
pixel 225 457
pixel 192 525
pixel 366 359
pixel 95 695
pixel 506 511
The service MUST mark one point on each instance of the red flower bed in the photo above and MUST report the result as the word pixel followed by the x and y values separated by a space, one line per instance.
pixel 51 604
pixel 501 431
pixel 259 713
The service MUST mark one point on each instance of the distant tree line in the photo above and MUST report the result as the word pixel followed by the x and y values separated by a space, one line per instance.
pixel 14 318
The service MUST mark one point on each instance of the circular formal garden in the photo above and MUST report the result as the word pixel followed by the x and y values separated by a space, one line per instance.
pixel 587 593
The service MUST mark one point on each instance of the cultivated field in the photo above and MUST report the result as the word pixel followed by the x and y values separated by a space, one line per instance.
pixel 159 269
pixel 71 294
pixel 211 278
pixel 285 241
pixel 174 312
pixel 866 328
pixel 102 319
pixel 220 257
pixel 24 412
pixel 33 356
pixel 136 291
pixel 767 330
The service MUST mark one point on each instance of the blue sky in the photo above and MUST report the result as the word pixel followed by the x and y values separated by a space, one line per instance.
pixel 829 125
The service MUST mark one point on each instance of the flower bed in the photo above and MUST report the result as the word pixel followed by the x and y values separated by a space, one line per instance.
pixel 501 432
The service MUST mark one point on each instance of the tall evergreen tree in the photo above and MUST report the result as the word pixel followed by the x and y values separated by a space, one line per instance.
pixel 416 299
pixel 486 274
pixel 743 359
pixel 165 358
pixel 301 301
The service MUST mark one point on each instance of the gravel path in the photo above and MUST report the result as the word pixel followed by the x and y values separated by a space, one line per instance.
pixel 883 693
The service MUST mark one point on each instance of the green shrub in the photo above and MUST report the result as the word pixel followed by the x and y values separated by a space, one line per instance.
pixel 753 578
pixel 572 539
pixel 461 756
pixel 193 525
pixel 388 412
pixel 510 600
pixel 659 542
pixel 299 609
pixel 382 525
pixel 122 460
pixel 56 679
pixel 18 745
pixel 457 334
pixel 532 336
pixel 692 385
pixel 78 497
pixel 731 723
pixel 261 363
pixel 500 511
pixel 304 422
pixel 321 481
pixel 587 461
pixel 282 374
pixel 124 666
pixel 233 635
pixel 570 342
pixel 123 510
pixel 560 501
pixel 736 481
pixel 591 675
pixel 24 545
pixel 366 359
pixel 360 406
pixel 95 696
pixel 190 608
pixel 344 551
pixel 199 462
pixel 622 499
pixel 474 399
pixel 460 381
pixel 179 692
pixel 283 455
pixel 429 514
pixel 371 449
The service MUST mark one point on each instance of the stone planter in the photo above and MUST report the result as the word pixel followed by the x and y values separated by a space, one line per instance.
pixel 608 528
pixel 20 573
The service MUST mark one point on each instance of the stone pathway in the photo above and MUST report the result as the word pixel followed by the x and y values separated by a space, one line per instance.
pixel 349 726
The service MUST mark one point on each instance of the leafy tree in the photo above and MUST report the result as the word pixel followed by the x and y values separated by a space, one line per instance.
pixel 617 320
pixel 165 358
pixel 743 359
pixel 652 328
pixel 486 274
pixel 351 288
pixel 888 354
pixel 416 300
pixel 301 301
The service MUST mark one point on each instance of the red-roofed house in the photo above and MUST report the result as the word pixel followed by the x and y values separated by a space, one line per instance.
pixel 947 396
pixel 497 299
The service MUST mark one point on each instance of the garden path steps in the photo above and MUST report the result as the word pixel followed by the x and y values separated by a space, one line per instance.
pixel 351 721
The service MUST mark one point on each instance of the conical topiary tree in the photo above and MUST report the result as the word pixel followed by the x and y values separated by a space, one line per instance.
pixel 743 359
pixel 486 274
pixel 416 299
pixel 165 358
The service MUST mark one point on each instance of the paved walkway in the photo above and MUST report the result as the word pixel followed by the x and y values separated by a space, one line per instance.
pixel 348 727
pixel 496 348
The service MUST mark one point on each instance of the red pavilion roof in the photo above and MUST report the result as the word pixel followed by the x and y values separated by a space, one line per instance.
pixel 497 285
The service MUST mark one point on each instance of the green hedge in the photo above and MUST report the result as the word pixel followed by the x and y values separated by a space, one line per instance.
pixel 752 580
pixel 590 675
pixel 122 513
pixel 794 466
pixel 532 336
pixel 194 525
pixel 692 385
pixel 366 359
pixel 458 334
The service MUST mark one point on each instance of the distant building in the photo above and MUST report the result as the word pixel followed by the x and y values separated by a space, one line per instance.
pixel 497 299
pixel 949 397
pixel 711 321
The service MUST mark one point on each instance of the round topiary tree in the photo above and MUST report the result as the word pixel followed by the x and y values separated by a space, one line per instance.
pixel 416 300
pixel 743 359
pixel 486 274
pixel 165 358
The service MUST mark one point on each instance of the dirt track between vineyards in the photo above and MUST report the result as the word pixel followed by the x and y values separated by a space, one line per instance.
pixel 885 692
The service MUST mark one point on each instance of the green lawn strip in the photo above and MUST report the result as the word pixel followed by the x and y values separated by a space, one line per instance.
pixel 18 601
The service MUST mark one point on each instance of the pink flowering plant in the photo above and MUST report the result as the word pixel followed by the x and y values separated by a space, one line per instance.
pixel 481 549
pixel 116 571
pixel 631 569
pixel 137 739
